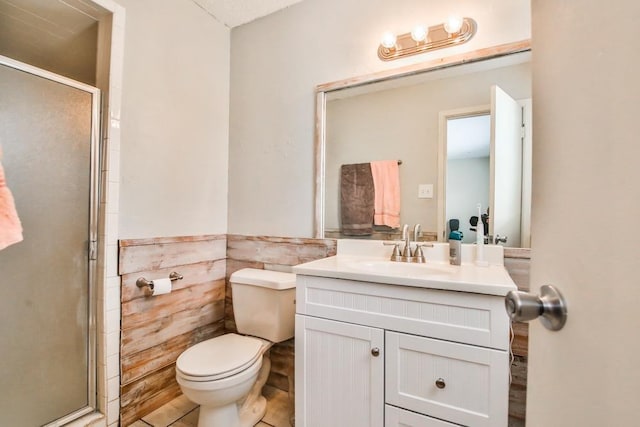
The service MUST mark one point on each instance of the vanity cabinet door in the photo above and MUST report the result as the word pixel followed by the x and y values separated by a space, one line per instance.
pixel 339 374
pixel 460 383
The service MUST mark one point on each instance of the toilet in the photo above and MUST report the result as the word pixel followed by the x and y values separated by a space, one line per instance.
pixel 225 374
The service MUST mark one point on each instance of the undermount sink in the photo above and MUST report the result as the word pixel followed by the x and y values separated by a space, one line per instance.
pixel 404 269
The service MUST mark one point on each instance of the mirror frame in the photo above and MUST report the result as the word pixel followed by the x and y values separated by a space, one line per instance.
pixel 409 70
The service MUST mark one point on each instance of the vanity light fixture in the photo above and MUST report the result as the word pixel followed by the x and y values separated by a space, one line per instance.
pixel 455 30
pixel 419 33
pixel 453 24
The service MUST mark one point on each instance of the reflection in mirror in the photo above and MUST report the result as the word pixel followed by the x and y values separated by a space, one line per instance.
pixel 467 171
pixel 401 118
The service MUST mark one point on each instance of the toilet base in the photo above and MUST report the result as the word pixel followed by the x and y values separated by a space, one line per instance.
pixel 254 406
pixel 244 413
pixel 220 416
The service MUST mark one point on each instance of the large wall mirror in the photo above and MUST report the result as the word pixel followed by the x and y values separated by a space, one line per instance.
pixel 458 127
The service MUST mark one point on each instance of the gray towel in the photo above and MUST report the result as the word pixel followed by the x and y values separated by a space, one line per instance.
pixel 357 196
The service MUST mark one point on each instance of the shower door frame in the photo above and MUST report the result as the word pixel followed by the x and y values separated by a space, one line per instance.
pixel 94 212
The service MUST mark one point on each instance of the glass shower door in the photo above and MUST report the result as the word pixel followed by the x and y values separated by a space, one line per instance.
pixel 47 358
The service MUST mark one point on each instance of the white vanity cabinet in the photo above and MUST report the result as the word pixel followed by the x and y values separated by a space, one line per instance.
pixel 343 382
pixel 373 354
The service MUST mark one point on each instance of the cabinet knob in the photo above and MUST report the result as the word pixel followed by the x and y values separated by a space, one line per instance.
pixel 375 351
pixel 440 383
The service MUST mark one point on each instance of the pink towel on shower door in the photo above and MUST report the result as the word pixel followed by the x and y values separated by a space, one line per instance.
pixel 10 227
pixel 386 181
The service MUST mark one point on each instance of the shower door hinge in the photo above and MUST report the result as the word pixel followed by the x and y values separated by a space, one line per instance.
pixel 93 250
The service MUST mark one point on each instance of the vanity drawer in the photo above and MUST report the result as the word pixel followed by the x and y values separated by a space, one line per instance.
pixel 455 316
pixel 396 417
pixel 455 382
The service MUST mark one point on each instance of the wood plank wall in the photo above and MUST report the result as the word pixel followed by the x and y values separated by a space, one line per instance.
pixel 272 253
pixel 517 263
pixel 155 330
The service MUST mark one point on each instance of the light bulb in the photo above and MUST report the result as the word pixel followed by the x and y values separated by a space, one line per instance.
pixel 453 24
pixel 388 40
pixel 419 33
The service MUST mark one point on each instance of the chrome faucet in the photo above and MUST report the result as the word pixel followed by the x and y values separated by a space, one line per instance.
pixel 406 252
pixel 406 255
pixel 418 255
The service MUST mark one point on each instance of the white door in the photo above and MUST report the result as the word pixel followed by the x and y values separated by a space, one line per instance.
pixel 339 374
pixel 586 205
pixel 505 193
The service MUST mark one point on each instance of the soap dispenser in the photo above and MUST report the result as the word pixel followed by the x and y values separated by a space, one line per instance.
pixel 455 247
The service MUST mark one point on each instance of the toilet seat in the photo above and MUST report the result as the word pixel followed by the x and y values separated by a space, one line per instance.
pixel 219 357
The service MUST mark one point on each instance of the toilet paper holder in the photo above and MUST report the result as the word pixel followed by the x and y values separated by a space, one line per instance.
pixel 147 285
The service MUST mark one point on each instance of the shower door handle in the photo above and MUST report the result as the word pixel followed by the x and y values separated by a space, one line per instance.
pixel 550 306
pixel 93 250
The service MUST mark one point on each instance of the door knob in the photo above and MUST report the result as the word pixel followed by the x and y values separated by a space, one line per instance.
pixel 375 352
pixel 500 239
pixel 550 306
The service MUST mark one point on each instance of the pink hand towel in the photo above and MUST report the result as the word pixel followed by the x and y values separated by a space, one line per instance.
pixel 386 181
pixel 10 227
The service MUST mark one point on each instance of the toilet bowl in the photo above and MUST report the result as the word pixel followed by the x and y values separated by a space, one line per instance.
pixel 225 374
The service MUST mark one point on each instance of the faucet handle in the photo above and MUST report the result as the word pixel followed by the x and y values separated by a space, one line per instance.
pixel 395 254
pixel 425 244
pixel 418 255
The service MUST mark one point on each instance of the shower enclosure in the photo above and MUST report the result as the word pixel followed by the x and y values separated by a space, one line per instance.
pixel 49 131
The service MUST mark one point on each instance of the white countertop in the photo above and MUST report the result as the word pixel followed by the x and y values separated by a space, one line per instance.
pixel 489 280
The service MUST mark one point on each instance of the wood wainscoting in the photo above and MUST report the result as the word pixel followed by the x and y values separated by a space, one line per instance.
pixel 517 262
pixel 278 253
pixel 156 329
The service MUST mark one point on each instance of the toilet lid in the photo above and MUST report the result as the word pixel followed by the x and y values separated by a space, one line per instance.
pixel 226 354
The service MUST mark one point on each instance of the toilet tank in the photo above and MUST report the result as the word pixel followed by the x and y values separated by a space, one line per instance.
pixel 264 303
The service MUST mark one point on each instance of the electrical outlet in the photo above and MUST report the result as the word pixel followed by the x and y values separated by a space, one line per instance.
pixel 425 191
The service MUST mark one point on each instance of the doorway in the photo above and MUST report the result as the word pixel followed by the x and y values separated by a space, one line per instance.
pixel 498 134
pixel 468 171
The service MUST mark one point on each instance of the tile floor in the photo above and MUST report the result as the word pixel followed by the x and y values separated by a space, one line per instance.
pixel 181 412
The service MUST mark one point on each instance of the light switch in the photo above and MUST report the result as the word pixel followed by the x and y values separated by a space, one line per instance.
pixel 425 191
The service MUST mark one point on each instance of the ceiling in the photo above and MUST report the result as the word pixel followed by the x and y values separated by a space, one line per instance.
pixel 43 26
pixel 237 12
pixel 51 33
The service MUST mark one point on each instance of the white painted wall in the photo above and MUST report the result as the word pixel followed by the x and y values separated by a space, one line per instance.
pixel 174 121
pixel 276 63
